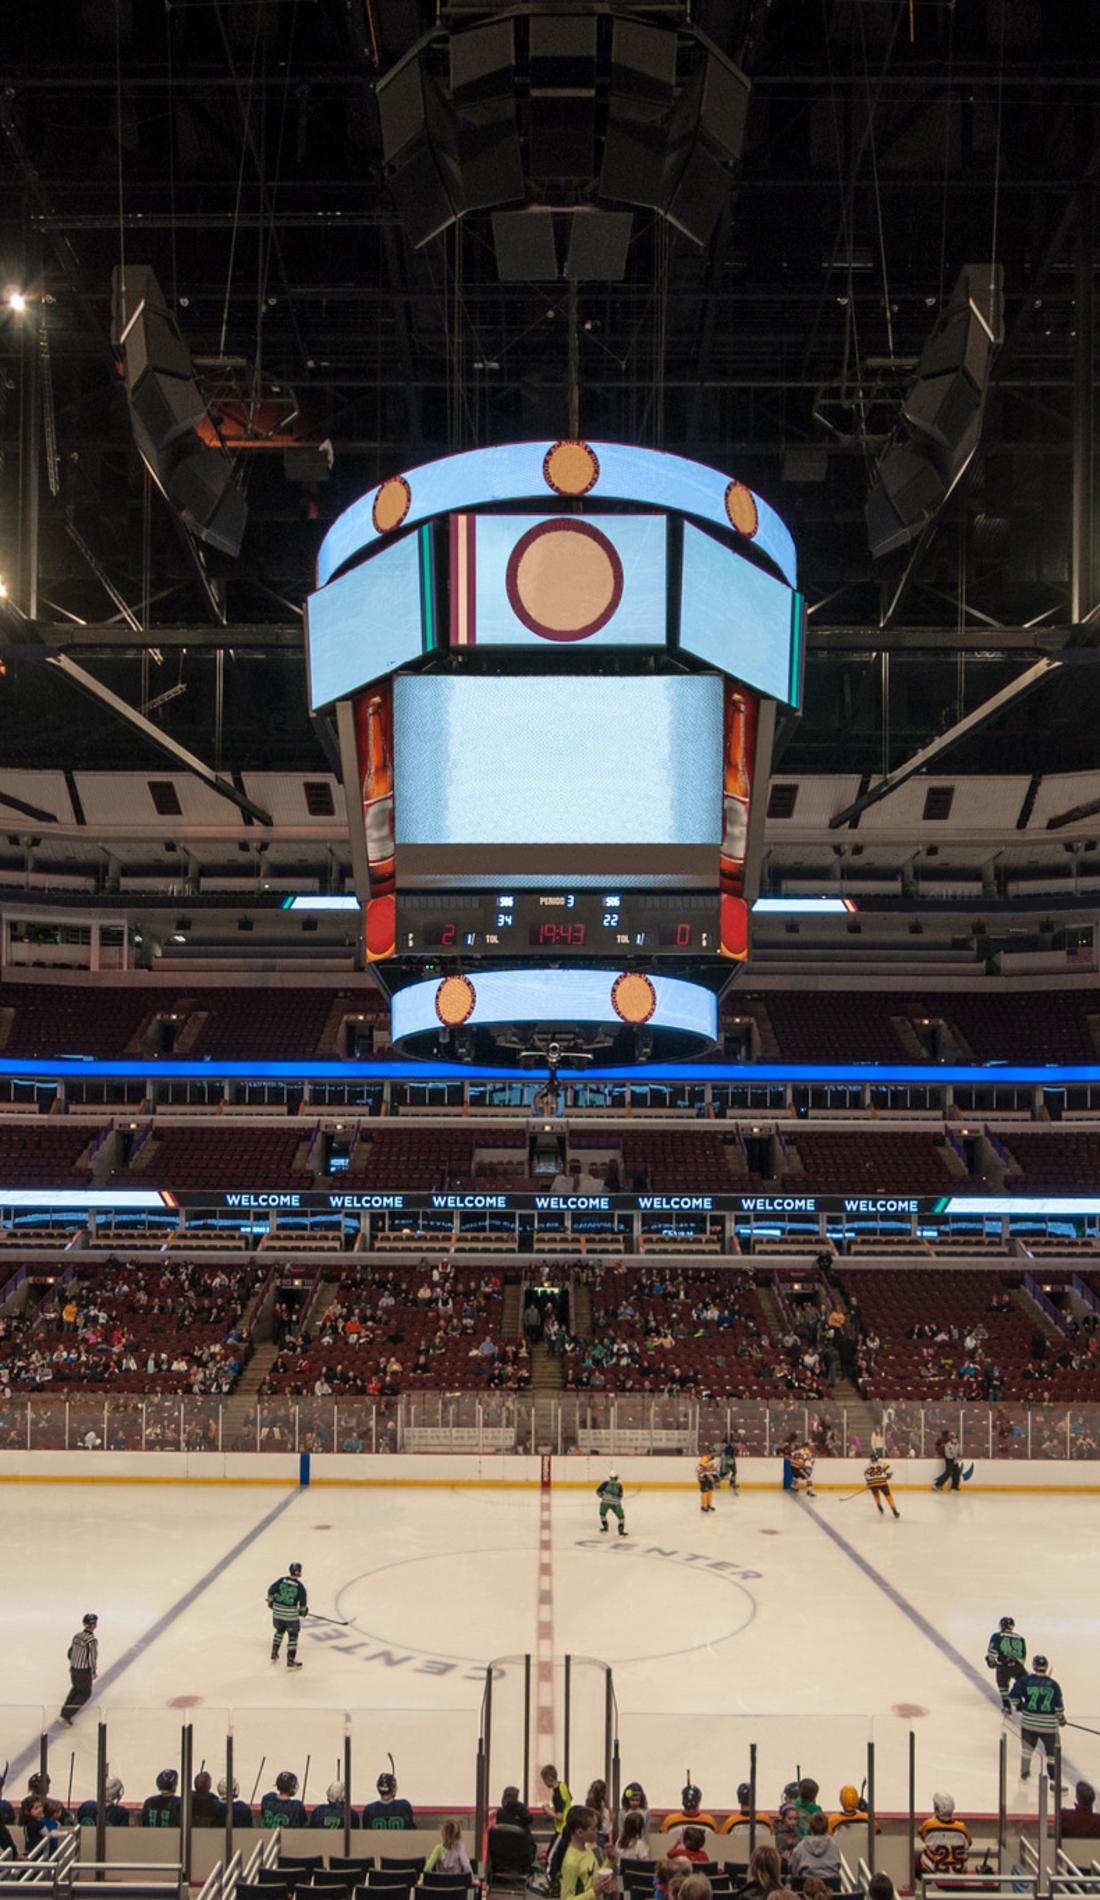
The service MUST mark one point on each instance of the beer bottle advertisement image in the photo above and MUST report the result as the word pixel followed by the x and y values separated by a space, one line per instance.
pixel 739 744
pixel 374 729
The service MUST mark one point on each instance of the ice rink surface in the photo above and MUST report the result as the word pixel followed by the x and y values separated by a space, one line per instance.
pixel 807 1628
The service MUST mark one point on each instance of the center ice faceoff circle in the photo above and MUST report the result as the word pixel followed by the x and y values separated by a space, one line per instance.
pixel 442 1611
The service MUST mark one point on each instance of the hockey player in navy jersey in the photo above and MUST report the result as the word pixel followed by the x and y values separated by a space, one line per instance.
pixel 1007 1654
pixel 1038 1699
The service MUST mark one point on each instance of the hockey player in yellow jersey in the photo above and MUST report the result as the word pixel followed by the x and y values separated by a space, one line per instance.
pixel 802 1470
pixel 944 1840
pixel 877 1479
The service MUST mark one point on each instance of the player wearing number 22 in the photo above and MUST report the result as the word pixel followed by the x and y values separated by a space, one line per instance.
pixel 877 1479
pixel 1042 1712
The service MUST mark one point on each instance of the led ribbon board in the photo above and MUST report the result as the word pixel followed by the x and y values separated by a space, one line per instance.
pixel 533 996
pixel 858 1210
pixel 518 471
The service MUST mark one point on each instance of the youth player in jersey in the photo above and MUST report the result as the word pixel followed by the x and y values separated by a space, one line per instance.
pixel 944 1840
pixel 1007 1654
pixel 877 1479
pixel 610 1494
pixel 802 1470
pixel 706 1474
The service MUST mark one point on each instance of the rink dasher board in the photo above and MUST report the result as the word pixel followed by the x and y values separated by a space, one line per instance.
pixel 438 1471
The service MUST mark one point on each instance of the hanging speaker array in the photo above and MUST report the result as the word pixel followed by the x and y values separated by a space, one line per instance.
pixel 941 414
pixel 555 116
pixel 169 415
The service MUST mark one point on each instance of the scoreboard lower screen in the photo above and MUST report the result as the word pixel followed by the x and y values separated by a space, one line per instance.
pixel 583 923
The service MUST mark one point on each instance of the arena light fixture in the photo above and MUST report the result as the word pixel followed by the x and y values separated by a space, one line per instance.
pixel 349 902
pixel 17 302
pixel 805 906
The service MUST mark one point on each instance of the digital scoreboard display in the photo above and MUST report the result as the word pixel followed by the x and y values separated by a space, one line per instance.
pixel 557 924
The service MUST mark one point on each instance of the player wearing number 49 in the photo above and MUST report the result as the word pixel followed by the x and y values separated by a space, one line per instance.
pixel 1007 1654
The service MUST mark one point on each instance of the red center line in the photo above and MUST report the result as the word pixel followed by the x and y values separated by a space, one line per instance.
pixel 544 1646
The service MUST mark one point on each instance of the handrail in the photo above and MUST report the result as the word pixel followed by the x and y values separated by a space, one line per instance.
pixel 211 1888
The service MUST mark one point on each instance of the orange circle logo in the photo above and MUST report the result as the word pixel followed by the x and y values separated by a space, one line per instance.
pixel 571 468
pixel 741 509
pixel 391 504
pixel 564 579
pixel 455 1001
pixel 633 997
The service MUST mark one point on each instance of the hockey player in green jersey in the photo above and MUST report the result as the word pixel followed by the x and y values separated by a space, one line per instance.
pixel 610 1494
pixel 1007 1654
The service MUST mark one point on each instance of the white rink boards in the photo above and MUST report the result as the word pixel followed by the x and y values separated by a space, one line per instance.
pixel 808 1629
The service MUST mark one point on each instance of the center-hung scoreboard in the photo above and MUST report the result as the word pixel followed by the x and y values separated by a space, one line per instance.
pixel 554 669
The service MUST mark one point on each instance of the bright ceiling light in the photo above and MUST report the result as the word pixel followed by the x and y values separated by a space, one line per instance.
pixel 16 301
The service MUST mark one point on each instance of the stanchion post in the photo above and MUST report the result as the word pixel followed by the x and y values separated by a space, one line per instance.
pixel 912 1805
pixel 752 1799
pixel 101 1794
pixel 347 1790
pixel 487 1727
pixel 871 1806
pixel 1042 1883
pixel 230 1797
pixel 186 1755
pixel 1002 1801
pixel 1057 1829
pixel 480 1804
pixel 526 1723
pixel 608 1724
pixel 567 1716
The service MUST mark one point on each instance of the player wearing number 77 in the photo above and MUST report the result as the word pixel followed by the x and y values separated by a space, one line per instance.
pixel 1042 1712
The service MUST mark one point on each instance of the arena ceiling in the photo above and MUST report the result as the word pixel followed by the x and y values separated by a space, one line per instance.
pixel 234 146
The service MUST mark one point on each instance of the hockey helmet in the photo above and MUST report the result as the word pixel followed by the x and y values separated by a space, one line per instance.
pixel 613 1474
pixel 166 1780
pixel 335 1793
pixel 286 1783
pixel 90 1620
pixel 114 1789
pixel 1008 1622
pixel 223 1788
pixel 1040 1665
pixel 295 1570
pixel 690 1797
pixel 943 1806
pixel 849 1798
pixel 386 1784
pixel 744 1792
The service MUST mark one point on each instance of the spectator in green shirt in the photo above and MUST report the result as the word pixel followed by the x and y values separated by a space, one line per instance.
pixel 585 1872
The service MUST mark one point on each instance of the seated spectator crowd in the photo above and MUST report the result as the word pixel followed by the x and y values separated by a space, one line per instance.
pixel 169 1327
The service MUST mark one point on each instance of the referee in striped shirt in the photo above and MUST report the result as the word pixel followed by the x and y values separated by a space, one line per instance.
pixel 83 1662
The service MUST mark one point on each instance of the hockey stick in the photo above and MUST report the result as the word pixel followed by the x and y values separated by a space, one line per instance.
pixel 72 1766
pixel 305 1779
pixel 1083 1729
pixel 256 1783
pixel 340 1622
pixel 851 1495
